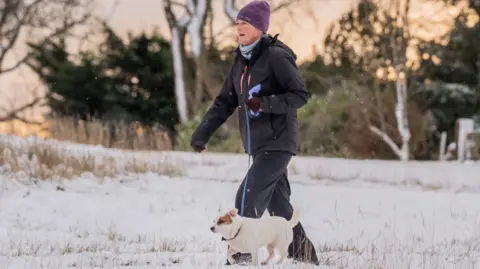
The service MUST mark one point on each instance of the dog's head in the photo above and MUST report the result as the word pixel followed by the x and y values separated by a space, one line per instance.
pixel 228 224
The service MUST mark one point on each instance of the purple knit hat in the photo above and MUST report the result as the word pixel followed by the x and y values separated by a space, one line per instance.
pixel 256 13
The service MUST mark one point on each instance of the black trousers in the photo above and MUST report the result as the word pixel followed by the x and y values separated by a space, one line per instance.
pixel 267 186
pixel 268 189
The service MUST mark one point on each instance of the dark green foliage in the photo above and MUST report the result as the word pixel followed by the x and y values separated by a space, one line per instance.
pixel 143 78
pixel 456 62
pixel 73 89
pixel 448 77
pixel 130 82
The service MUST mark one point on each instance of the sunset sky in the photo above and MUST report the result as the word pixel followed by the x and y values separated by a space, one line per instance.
pixel 301 32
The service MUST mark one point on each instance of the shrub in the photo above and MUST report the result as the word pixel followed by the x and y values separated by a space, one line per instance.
pixel 114 134
pixel 225 139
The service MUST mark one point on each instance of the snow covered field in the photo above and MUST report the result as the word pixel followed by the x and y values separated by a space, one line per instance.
pixel 360 214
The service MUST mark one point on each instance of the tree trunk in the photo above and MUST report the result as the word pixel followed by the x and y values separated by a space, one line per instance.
pixel 197 38
pixel 198 82
pixel 399 61
pixel 401 114
pixel 177 51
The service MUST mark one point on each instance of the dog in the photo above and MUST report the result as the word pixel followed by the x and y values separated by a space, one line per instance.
pixel 248 235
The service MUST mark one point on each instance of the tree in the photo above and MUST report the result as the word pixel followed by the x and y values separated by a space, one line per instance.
pixel 14 113
pixel 37 20
pixel 195 30
pixel 448 78
pixel 143 77
pixel 192 21
pixel 74 89
pixel 371 42
pixel 370 39
pixel 132 82
pixel 51 16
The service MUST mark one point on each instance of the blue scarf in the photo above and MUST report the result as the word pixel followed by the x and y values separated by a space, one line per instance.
pixel 247 50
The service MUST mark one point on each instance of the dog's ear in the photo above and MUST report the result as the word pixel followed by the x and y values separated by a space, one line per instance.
pixel 233 212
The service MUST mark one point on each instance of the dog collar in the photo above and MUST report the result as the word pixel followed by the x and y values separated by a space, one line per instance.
pixel 235 236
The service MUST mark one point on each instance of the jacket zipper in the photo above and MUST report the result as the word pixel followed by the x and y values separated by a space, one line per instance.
pixel 243 94
pixel 242 80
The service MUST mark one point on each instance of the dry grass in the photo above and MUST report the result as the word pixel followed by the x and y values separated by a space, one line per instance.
pixel 49 159
pixel 116 135
pixel 17 127
pixel 94 132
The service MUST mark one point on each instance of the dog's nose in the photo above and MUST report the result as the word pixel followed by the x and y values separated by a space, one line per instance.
pixel 212 228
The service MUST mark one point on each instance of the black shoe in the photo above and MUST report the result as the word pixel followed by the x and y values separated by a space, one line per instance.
pixel 305 254
pixel 302 249
pixel 241 259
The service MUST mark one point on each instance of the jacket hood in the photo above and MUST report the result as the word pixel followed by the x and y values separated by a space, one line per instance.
pixel 275 42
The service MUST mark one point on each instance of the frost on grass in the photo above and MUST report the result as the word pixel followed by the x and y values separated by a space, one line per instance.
pixel 425 175
pixel 52 159
pixel 359 214
pixel 158 222
pixel 49 159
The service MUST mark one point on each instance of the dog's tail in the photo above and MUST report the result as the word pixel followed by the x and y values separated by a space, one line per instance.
pixel 295 217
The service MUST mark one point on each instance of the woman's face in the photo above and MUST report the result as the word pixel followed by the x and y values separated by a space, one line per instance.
pixel 246 33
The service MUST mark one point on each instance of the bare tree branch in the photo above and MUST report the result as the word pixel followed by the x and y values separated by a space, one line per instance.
pixel 178 29
pixel 57 32
pixel 57 17
pixel 27 21
pixel 386 138
pixel 14 114
pixel 172 19
pixel 11 10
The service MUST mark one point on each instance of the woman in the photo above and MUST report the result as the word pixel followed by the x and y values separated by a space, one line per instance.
pixel 266 65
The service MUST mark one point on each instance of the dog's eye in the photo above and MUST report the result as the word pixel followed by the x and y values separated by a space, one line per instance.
pixel 220 221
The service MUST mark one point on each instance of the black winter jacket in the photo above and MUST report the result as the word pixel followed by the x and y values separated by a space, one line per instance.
pixel 282 92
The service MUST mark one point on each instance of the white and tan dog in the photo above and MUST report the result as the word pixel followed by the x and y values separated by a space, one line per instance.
pixel 248 235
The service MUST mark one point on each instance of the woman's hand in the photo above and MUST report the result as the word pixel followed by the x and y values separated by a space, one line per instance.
pixel 253 103
pixel 197 147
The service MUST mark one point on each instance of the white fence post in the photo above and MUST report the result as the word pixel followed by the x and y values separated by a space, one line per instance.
pixel 443 145
pixel 464 128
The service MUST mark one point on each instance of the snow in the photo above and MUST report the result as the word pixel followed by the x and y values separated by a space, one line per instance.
pixel 359 213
